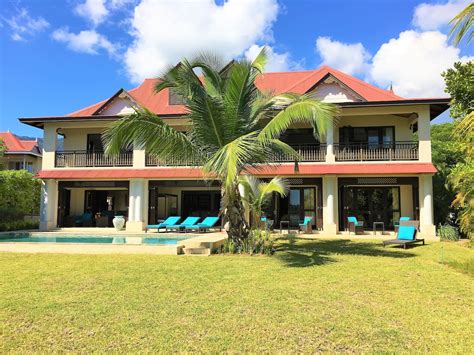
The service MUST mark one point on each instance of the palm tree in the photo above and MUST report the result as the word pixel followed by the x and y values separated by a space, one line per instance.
pixel 462 24
pixel 235 127
pixel 257 194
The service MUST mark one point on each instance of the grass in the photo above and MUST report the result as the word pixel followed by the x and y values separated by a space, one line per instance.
pixel 314 295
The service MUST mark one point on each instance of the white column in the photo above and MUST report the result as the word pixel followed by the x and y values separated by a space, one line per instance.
pixel 49 146
pixel 424 144
pixel 329 205
pixel 139 158
pixel 427 228
pixel 136 222
pixel 49 205
pixel 330 157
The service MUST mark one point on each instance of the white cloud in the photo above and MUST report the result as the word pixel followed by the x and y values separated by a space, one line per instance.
pixel 350 58
pixel 413 62
pixel 276 61
pixel 166 31
pixel 434 16
pixel 93 10
pixel 23 25
pixel 89 42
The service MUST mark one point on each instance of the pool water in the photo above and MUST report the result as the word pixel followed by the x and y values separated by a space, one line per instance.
pixel 29 238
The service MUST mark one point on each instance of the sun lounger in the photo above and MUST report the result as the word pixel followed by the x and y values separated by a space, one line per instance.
pixel 401 220
pixel 406 235
pixel 204 226
pixel 188 222
pixel 168 222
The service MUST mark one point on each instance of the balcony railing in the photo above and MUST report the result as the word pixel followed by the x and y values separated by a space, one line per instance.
pixel 376 152
pixel 308 153
pixel 85 159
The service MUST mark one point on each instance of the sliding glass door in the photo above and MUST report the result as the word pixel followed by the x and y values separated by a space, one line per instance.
pixel 301 203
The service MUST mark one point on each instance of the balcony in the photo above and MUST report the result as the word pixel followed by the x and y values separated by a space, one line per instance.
pixel 376 152
pixel 308 153
pixel 86 159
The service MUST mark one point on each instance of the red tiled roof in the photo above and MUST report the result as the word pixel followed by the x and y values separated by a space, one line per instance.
pixel 283 170
pixel 295 81
pixel 15 144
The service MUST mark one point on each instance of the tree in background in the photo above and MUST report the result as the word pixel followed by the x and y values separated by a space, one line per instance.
pixel 19 193
pixel 3 149
pixel 445 155
pixel 460 85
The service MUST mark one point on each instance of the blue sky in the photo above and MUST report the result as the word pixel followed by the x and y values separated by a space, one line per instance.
pixel 59 56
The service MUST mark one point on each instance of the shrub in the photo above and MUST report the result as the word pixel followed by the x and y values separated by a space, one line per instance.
pixel 10 214
pixel 258 242
pixel 19 191
pixel 17 225
pixel 448 232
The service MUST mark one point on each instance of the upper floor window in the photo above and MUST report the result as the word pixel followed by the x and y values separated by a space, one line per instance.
pixel 372 136
pixel 94 143
pixel 175 98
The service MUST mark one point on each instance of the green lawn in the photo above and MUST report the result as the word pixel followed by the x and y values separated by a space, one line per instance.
pixel 320 295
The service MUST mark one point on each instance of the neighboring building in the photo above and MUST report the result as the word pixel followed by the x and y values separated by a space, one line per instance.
pixel 369 166
pixel 20 154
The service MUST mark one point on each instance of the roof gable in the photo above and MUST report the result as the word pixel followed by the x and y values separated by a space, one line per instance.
pixel 343 88
pixel 15 144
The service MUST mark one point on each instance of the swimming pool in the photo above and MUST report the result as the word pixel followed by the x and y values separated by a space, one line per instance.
pixel 91 239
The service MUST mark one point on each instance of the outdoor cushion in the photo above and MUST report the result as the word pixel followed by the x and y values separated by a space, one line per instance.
pixel 406 232
pixel 306 221
pixel 352 219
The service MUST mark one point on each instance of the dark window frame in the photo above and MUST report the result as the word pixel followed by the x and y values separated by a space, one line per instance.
pixel 350 134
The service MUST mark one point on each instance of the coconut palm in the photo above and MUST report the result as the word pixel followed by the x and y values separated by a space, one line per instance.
pixel 257 194
pixel 234 126
pixel 462 24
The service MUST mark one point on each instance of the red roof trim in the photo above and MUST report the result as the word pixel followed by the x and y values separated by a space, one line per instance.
pixel 284 170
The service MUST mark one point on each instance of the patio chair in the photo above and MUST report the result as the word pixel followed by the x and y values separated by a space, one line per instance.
pixel 406 234
pixel 170 221
pixel 354 225
pixel 204 226
pixel 188 222
pixel 307 225
pixel 396 225
pixel 84 221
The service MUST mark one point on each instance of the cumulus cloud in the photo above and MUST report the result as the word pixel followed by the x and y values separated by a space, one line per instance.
pixel 89 41
pixel 166 31
pixel 93 10
pixel 413 62
pixel 23 26
pixel 350 58
pixel 434 16
pixel 276 61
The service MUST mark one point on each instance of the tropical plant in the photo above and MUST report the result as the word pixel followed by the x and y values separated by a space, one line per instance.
pixel 234 126
pixel 257 194
pixel 461 24
pixel 448 232
pixel 3 149
pixel 460 85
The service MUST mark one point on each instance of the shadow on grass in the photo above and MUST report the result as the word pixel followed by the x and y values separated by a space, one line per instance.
pixel 304 253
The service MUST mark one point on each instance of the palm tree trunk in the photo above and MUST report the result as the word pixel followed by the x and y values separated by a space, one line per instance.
pixel 238 229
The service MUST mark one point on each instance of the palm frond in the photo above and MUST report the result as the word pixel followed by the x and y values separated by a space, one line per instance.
pixel 145 130
pixel 299 109
pixel 461 25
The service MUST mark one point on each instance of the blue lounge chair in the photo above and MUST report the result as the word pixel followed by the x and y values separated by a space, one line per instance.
pixel 204 226
pixel 306 226
pixel 170 221
pixel 355 225
pixel 396 225
pixel 84 221
pixel 188 222
pixel 406 234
